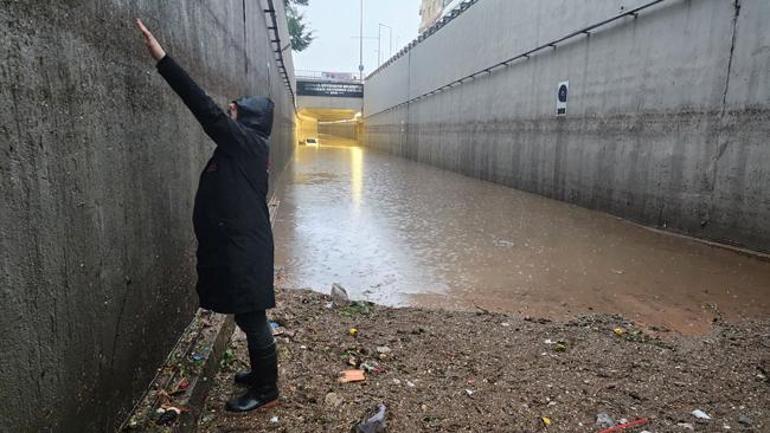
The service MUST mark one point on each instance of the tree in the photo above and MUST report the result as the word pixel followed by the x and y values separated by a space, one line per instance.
pixel 301 36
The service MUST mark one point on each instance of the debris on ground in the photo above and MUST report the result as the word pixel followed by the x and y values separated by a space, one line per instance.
pixel 697 413
pixel 168 415
pixel 356 308
pixel 340 296
pixel 603 420
pixel 639 375
pixel 352 376
pixel 375 424
pixel 333 399
pixel 744 420
pixel 167 401
pixel 625 424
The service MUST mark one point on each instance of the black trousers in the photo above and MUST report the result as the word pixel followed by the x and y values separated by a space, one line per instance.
pixel 259 334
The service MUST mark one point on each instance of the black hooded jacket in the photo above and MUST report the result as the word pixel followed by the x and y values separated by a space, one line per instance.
pixel 231 219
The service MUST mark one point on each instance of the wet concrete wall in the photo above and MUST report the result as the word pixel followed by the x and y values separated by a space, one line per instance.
pixel 667 118
pixel 99 162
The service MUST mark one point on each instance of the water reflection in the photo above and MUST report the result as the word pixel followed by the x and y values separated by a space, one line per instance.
pixel 356 174
pixel 403 233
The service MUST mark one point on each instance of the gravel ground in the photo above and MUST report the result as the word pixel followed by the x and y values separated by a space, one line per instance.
pixel 487 372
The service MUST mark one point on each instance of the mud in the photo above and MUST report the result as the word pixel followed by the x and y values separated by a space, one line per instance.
pixel 479 372
pixel 401 233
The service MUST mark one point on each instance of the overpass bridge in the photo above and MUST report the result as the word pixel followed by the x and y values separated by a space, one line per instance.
pixel 329 103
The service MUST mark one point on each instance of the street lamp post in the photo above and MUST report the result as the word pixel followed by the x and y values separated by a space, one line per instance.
pixel 379 36
pixel 361 44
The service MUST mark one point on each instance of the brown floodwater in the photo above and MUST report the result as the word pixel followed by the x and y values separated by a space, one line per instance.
pixel 401 233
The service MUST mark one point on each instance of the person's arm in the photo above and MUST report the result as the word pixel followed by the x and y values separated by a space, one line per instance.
pixel 225 132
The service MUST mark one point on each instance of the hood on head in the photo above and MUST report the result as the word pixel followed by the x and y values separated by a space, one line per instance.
pixel 256 113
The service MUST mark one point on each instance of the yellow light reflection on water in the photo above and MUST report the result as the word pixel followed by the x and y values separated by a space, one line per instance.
pixel 356 175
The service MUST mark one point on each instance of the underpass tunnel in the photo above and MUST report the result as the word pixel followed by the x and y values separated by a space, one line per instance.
pixel 329 109
pixel 328 126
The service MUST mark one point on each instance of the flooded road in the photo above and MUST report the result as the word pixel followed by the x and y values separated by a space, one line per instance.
pixel 401 233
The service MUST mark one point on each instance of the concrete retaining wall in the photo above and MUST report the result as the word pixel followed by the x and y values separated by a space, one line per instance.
pixel 100 163
pixel 667 120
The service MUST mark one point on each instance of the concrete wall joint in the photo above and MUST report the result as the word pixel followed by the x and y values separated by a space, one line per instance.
pixel 733 36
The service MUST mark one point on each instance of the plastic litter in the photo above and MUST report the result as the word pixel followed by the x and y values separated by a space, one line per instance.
pixel 372 367
pixel 169 415
pixel 277 329
pixel 546 421
pixel 339 295
pixel 630 424
pixel 603 420
pixel 181 386
pixel 697 413
pixel 375 424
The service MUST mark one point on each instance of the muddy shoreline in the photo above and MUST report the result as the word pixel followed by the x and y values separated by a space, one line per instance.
pixel 454 371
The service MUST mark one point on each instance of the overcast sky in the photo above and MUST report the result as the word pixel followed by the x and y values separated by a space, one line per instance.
pixel 336 23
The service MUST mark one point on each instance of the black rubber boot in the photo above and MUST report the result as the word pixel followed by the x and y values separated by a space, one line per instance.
pixel 263 385
pixel 244 378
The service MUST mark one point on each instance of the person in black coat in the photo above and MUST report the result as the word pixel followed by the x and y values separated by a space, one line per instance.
pixel 232 223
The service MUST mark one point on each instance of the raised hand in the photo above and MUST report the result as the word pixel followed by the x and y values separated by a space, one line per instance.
pixel 156 51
